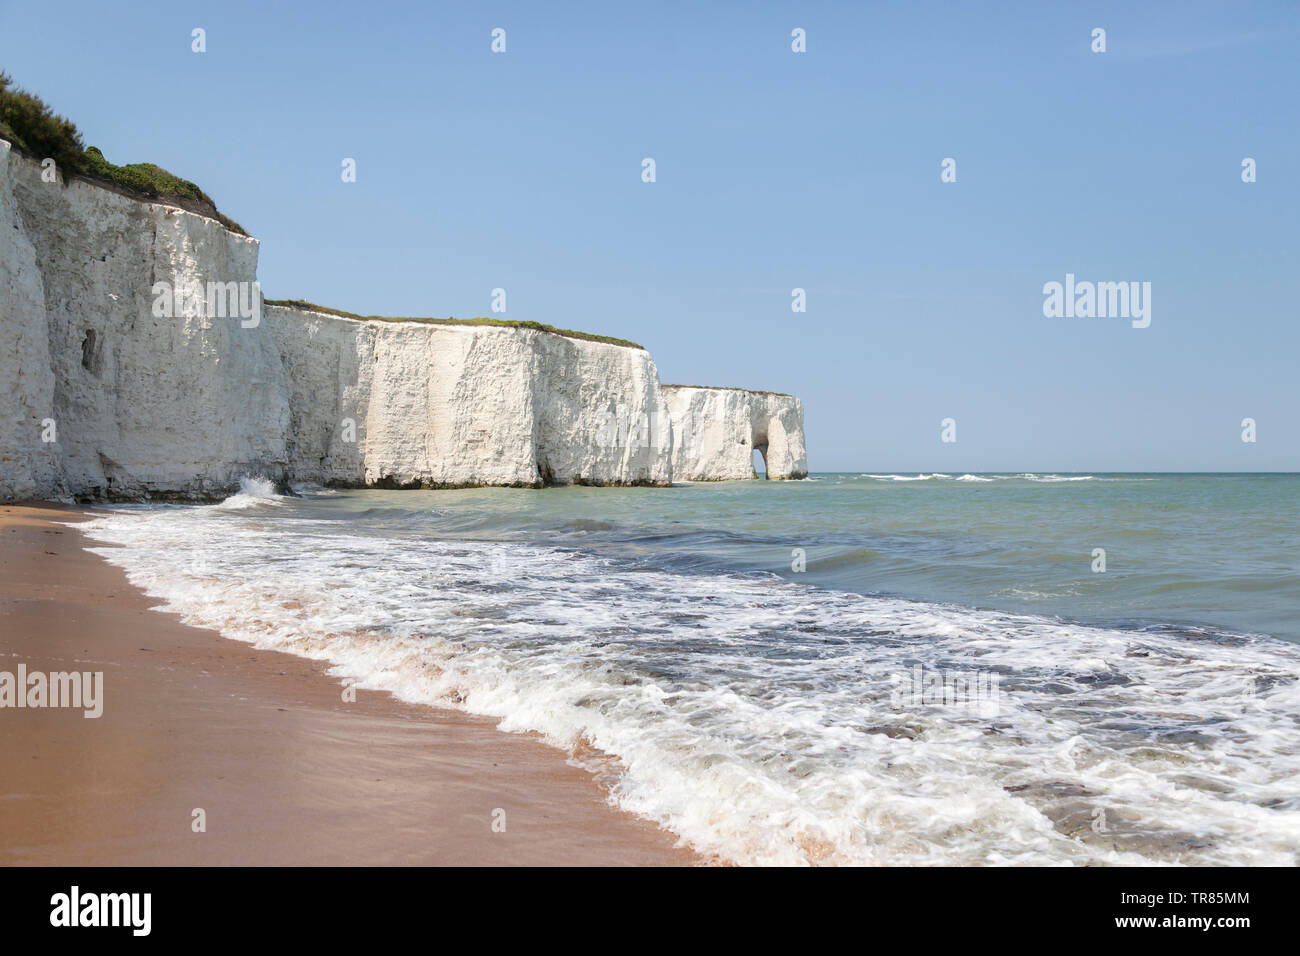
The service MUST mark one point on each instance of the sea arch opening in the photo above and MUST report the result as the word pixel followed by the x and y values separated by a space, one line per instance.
pixel 758 442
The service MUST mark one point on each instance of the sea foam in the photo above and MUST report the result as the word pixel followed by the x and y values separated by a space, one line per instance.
pixel 767 722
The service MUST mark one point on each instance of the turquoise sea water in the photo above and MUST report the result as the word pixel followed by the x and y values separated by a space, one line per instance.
pixel 946 680
pixel 1212 550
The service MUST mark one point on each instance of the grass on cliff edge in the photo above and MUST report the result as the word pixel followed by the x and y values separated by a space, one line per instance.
pixel 31 126
pixel 504 323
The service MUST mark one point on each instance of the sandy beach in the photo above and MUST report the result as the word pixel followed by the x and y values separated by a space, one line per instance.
pixel 284 769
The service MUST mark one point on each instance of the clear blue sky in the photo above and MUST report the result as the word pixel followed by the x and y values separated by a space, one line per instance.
pixel 775 170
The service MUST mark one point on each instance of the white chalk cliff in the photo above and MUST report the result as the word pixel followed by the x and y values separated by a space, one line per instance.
pixel 716 431
pixel 101 397
pixel 406 404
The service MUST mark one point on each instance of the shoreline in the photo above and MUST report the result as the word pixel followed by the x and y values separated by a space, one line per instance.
pixel 285 771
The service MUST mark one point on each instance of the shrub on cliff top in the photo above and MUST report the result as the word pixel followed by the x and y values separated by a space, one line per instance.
pixel 33 127
pixel 28 123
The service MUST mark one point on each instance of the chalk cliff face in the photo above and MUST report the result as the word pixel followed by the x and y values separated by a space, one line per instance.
pixel 138 404
pixel 414 404
pixel 28 466
pixel 103 397
pixel 716 430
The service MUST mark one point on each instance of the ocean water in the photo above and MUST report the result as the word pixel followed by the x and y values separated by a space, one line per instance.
pixel 882 669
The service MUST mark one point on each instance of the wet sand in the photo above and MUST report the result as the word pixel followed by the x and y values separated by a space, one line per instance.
pixel 285 770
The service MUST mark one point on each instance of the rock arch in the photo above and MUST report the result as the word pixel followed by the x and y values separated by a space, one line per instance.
pixel 715 432
pixel 758 441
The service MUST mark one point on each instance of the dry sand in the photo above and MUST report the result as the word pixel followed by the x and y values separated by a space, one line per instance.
pixel 286 771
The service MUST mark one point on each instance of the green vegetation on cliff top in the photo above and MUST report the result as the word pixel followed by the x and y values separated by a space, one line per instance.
pixel 481 320
pixel 34 129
